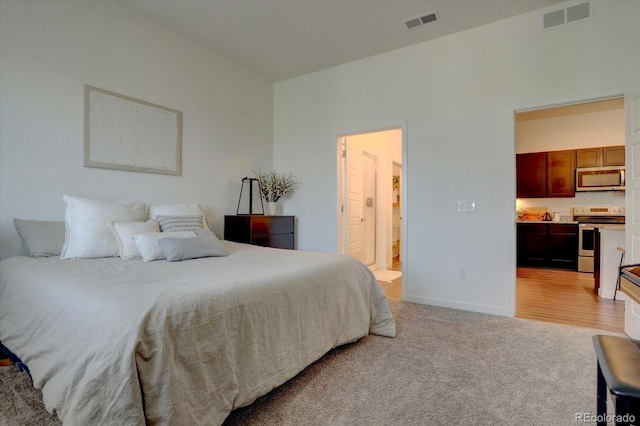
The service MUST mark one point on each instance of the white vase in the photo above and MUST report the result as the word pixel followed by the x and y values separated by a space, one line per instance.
pixel 272 208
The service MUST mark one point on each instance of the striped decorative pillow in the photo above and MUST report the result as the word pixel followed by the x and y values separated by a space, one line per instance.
pixel 180 223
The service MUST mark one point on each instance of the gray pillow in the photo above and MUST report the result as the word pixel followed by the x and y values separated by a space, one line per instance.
pixel 204 233
pixel 175 249
pixel 41 238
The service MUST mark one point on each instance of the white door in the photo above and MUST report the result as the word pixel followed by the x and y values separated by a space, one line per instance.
pixel 369 209
pixel 632 120
pixel 354 204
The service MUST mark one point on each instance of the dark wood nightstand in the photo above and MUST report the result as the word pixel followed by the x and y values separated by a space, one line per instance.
pixel 4 356
pixel 266 231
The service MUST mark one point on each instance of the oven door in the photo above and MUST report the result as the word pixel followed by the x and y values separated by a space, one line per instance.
pixel 586 239
pixel 586 247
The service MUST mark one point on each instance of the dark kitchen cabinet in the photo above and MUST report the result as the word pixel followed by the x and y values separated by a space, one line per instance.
pixel 266 231
pixel 532 244
pixel 613 156
pixel 563 246
pixel 546 174
pixel 600 156
pixel 561 173
pixel 531 175
pixel 547 245
pixel 589 157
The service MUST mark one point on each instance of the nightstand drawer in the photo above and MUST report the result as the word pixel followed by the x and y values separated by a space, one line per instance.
pixel 284 241
pixel 272 225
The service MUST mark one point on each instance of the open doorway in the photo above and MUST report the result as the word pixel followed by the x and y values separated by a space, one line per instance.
pixel 369 203
pixel 550 283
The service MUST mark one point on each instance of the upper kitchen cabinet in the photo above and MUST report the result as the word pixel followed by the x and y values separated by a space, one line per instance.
pixel 546 174
pixel 589 157
pixel 531 175
pixel 613 156
pixel 561 176
pixel 601 156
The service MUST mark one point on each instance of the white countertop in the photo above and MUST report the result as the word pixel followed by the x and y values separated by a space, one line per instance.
pixel 562 222
pixel 609 227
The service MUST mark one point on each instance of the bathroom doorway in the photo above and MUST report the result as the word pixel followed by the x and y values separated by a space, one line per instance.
pixel 369 200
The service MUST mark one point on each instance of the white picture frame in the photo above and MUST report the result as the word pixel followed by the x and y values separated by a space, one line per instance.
pixel 124 133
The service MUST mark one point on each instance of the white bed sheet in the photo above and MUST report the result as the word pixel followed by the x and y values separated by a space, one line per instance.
pixel 113 342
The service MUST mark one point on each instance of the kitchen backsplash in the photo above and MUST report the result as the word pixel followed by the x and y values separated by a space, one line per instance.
pixel 564 205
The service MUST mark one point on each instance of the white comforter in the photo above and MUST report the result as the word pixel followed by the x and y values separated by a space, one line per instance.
pixel 114 342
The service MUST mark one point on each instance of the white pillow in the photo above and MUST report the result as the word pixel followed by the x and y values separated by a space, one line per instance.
pixel 177 210
pixel 124 232
pixel 148 246
pixel 87 230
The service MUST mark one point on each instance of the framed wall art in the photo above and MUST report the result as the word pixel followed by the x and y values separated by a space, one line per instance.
pixel 124 133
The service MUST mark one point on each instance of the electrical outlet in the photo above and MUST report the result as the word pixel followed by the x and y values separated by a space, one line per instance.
pixel 462 273
pixel 466 206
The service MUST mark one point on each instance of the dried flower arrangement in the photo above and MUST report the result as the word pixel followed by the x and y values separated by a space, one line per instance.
pixel 275 186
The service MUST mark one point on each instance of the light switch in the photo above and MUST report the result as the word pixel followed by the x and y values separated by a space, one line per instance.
pixel 466 206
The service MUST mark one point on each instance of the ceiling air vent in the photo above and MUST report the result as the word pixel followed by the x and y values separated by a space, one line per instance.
pixel 578 12
pixel 418 21
pixel 558 18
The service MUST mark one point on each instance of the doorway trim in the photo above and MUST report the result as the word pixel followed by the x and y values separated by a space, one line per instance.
pixel 370 253
pixel 401 207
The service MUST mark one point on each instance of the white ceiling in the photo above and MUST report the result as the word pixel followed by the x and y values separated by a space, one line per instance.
pixel 281 39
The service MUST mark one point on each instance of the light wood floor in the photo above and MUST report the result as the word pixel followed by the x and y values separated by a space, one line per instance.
pixel 563 297
pixel 394 288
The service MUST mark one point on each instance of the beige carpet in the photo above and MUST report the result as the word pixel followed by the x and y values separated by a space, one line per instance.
pixel 386 275
pixel 446 367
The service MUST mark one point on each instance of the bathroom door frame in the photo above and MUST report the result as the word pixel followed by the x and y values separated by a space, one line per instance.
pixel 342 213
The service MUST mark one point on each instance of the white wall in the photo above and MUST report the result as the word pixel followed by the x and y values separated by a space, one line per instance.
pixel 457 95
pixel 595 129
pixel 564 205
pixel 51 49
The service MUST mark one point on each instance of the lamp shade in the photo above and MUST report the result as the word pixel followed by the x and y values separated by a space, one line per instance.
pixel 250 199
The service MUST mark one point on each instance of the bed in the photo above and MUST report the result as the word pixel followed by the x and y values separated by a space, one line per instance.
pixel 112 341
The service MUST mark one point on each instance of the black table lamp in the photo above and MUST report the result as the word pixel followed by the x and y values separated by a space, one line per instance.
pixel 254 185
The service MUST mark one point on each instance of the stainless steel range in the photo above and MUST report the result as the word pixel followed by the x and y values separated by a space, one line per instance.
pixel 588 217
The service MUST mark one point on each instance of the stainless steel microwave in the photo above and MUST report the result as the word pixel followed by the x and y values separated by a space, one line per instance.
pixel 600 178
